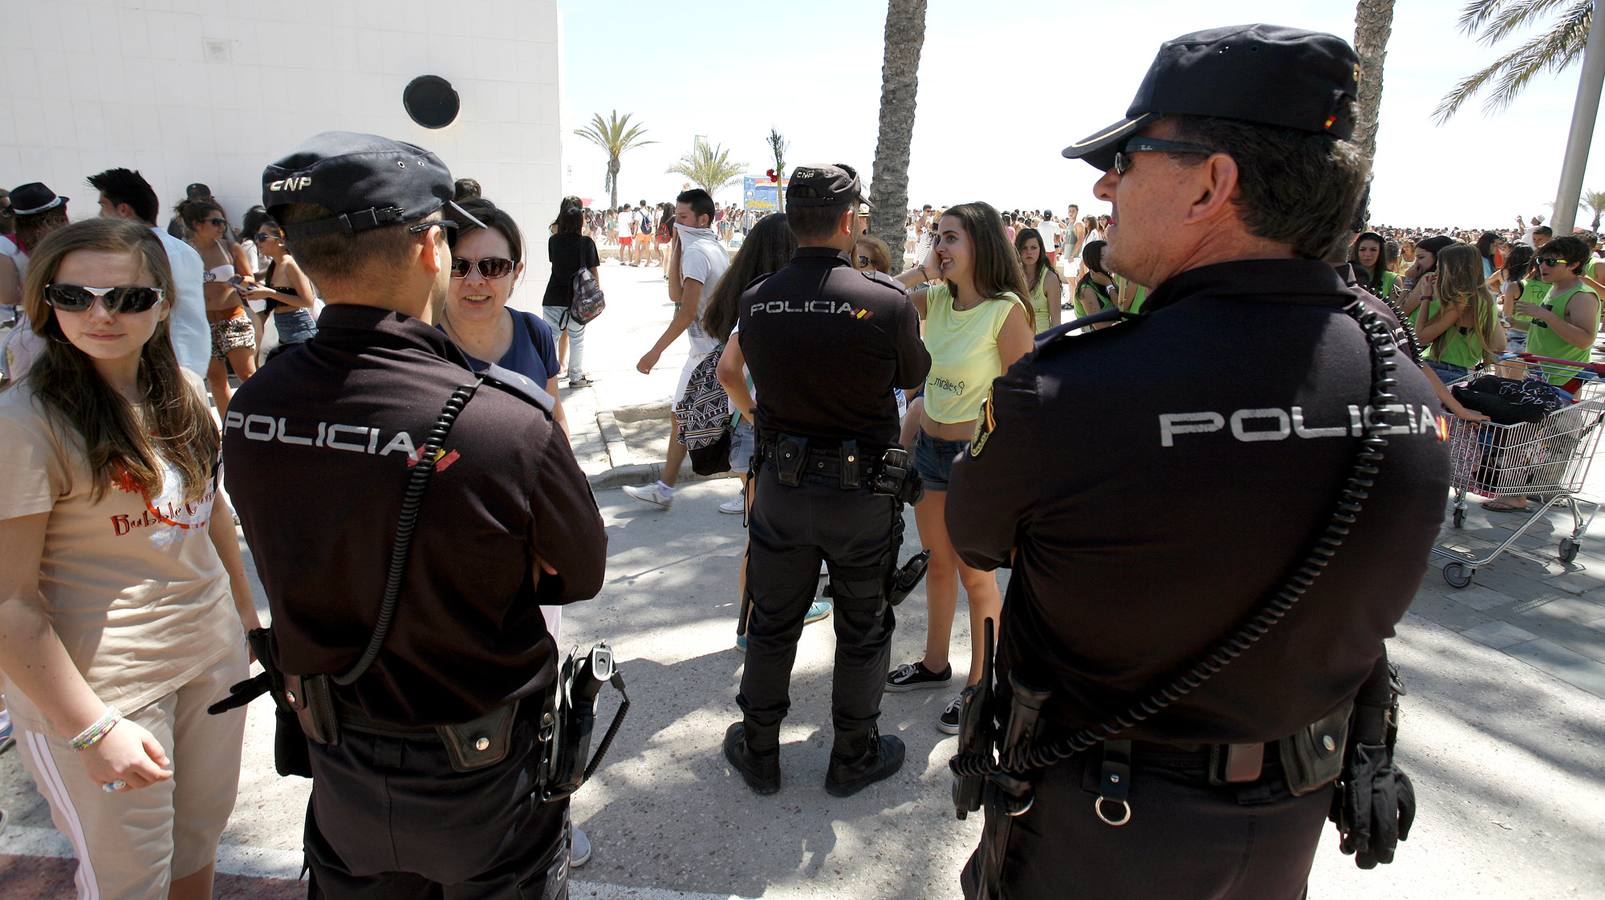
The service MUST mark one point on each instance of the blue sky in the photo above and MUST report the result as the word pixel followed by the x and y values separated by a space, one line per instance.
pixel 1004 87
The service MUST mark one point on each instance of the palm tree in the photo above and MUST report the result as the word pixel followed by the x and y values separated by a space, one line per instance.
pixel 779 145
pixel 1595 202
pixel 616 135
pixel 708 167
pixel 1373 22
pixel 900 69
pixel 1553 49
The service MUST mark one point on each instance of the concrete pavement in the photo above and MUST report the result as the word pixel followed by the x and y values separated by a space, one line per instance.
pixel 1503 743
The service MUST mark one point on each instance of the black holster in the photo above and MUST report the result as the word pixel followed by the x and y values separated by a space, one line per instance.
pixel 569 720
pixel 291 755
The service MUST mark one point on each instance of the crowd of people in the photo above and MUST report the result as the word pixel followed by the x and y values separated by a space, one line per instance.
pixel 104 419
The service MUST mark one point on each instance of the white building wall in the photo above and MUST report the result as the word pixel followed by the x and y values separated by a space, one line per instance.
pixel 213 90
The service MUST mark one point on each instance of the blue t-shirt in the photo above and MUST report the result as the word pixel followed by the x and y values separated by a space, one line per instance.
pixel 533 352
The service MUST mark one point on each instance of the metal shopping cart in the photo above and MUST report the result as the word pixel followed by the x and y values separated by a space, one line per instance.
pixel 1545 461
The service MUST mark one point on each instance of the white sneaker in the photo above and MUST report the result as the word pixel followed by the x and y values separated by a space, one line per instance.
pixel 579 852
pixel 735 506
pixel 655 494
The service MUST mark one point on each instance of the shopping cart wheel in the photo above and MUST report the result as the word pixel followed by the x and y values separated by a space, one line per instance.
pixel 1568 550
pixel 1458 574
pixel 1460 517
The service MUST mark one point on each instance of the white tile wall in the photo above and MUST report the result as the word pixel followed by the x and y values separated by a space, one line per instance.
pixel 213 90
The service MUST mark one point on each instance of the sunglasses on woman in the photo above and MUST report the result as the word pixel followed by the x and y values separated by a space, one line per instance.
pixel 490 266
pixel 215 220
pixel 130 298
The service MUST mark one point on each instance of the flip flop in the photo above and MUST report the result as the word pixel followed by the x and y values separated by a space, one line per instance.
pixel 1502 506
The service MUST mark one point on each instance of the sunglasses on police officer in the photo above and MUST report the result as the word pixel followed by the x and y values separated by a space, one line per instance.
pixel 490 267
pixel 76 298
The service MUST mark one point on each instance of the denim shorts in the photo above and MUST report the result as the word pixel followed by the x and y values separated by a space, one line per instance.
pixel 1448 373
pixel 933 459
pixel 295 327
pixel 742 442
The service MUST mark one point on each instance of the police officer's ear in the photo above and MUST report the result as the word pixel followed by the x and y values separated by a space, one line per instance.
pixel 1209 188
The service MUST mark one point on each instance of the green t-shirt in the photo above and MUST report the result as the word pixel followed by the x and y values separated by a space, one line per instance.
pixel 1039 304
pixel 1533 290
pixel 1136 301
pixel 1103 292
pixel 1459 346
pixel 1543 341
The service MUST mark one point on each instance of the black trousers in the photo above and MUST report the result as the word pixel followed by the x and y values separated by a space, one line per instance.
pixel 1186 838
pixel 856 533
pixel 390 820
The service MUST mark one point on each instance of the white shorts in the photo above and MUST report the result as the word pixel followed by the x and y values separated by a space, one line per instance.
pixel 691 363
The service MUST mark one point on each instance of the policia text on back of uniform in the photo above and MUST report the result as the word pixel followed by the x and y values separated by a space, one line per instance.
pixel 426 768
pixel 1228 454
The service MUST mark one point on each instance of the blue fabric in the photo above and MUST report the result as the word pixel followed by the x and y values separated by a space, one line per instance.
pixel 934 458
pixel 533 352
pixel 295 327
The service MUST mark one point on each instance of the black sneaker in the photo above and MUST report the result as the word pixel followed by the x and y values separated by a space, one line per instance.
pixel 882 759
pixel 761 771
pixel 948 721
pixel 914 676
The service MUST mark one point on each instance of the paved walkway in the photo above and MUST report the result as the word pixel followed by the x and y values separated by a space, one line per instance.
pixel 1502 731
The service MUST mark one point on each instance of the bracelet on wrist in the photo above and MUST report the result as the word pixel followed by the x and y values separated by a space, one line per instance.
pixel 97 732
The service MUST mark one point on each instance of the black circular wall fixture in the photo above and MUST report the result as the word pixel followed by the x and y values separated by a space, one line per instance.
pixel 431 101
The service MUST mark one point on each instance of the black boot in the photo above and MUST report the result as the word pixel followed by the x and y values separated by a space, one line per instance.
pixel 881 759
pixel 761 771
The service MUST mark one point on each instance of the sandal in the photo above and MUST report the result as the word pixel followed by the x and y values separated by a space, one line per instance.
pixel 1503 506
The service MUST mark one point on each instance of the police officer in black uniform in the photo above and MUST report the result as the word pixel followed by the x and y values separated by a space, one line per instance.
pixel 423 768
pixel 1216 512
pixel 825 345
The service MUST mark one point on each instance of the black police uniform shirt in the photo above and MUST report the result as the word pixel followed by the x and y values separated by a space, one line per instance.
pixel 825 345
pixel 317 446
pixel 1162 477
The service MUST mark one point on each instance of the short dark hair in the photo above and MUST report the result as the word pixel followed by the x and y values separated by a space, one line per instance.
pixel 495 218
pixel 1570 249
pixel 1542 231
pixel 700 201
pixel 130 187
pixel 811 224
pixel 337 256
pixel 1293 187
pixel 465 189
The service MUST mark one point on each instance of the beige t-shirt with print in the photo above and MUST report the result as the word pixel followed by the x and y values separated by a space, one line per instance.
pixel 142 605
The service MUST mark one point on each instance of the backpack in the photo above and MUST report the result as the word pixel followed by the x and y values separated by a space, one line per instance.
pixel 588 300
pixel 702 419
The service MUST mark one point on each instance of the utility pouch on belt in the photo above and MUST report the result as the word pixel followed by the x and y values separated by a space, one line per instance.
pixel 483 742
pixel 313 703
pixel 1312 757
pixel 791 452
pixel 850 466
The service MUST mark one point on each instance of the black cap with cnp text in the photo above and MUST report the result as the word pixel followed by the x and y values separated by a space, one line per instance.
pixel 365 181
pixel 1262 74
pixel 836 185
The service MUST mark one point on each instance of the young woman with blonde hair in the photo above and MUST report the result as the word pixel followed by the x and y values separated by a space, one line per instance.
pixel 1457 321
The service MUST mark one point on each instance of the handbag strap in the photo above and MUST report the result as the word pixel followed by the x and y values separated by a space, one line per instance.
pixel 417 481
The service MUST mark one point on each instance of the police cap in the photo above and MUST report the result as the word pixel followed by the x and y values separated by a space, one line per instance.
pixel 1264 74
pixel 836 185
pixel 365 180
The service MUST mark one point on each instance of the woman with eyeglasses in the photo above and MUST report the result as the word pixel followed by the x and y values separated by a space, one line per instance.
pixel 123 598
pixel 233 336
pixel 486 264
pixel 286 290
pixel 570 252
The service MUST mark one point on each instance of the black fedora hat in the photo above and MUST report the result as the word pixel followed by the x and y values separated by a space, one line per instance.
pixel 33 198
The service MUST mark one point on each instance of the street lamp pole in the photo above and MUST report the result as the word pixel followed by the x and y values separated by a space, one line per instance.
pixel 1584 114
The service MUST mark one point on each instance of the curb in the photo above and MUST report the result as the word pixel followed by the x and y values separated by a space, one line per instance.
pixel 607 421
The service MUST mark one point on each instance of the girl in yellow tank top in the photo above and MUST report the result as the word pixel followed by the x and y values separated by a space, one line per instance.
pixel 1048 290
pixel 976 326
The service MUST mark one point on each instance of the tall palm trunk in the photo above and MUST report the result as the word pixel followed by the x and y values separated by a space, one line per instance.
pixel 905 36
pixel 1373 22
pixel 613 181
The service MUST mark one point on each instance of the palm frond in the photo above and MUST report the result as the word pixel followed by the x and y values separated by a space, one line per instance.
pixel 1513 17
pixel 1476 12
pixel 708 167
pixel 614 134
pixel 1594 200
pixel 1552 50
